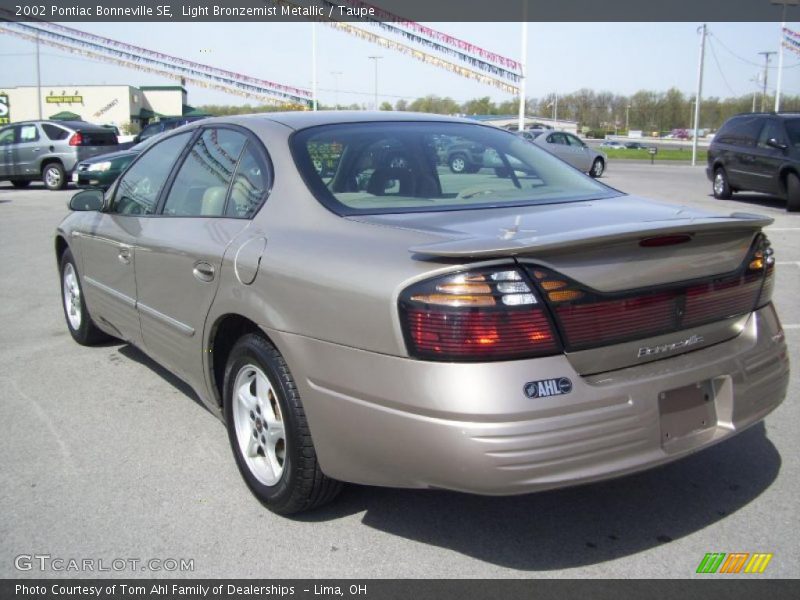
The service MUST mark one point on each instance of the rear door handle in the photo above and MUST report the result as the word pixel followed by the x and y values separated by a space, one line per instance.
pixel 203 271
pixel 124 256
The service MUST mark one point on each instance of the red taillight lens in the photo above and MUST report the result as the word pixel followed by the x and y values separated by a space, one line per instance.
pixel 76 139
pixel 588 319
pixel 481 315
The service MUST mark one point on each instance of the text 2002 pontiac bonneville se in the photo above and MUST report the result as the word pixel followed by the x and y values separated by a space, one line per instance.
pixel 354 311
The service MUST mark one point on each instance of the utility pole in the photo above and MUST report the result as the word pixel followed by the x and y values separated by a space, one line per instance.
pixel 555 110
pixel 38 79
pixel 313 65
pixel 627 119
pixel 702 31
pixel 336 86
pixel 766 72
pixel 376 59
pixel 780 49
pixel 523 68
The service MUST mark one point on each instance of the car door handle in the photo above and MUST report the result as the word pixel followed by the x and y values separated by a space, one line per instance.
pixel 124 256
pixel 203 271
pixel 36 149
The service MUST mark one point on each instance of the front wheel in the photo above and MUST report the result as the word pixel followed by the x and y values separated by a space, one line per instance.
pixel 722 187
pixel 54 177
pixel 80 324
pixel 598 166
pixel 268 430
pixel 792 193
pixel 458 163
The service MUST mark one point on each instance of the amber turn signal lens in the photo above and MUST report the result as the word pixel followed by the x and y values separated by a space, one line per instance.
pixel 552 285
pixel 455 300
pixel 564 295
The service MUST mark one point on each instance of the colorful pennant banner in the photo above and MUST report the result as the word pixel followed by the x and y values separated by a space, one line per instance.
pixel 133 64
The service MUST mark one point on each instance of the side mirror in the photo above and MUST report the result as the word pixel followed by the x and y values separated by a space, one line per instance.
pixel 87 200
pixel 774 143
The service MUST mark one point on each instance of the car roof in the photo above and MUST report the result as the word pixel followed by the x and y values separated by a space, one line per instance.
pixel 304 119
pixel 82 125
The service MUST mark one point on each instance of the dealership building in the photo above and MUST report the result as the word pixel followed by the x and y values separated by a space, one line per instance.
pixel 103 104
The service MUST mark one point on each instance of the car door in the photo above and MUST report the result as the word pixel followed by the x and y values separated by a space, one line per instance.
pixel 108 244
pixel 582 156
pixel 768 159
pixel 179 256
pixel 7 135
pixel 27 149
pixel 556 143
pixel 739 152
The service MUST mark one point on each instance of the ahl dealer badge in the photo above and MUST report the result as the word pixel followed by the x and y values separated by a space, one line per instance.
pixel 548 387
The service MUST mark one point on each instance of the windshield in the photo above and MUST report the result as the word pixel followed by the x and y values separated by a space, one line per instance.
pixel 380 167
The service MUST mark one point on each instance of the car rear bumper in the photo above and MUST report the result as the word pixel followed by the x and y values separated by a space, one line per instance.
pixel 384 420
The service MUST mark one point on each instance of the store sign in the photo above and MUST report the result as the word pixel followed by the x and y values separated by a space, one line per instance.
pixel 63 98
pixel 5 110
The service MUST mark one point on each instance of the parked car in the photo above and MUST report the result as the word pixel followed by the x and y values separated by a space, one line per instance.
pixel 101 171
pixel 570 148
pixel 419 329
pixel 49 151
pixel 757 152
pixel 612 144
pixel 636 146
pixel 166 124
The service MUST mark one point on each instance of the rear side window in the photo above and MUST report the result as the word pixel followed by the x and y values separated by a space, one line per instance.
pixel 201 187
pixel 250 185
pixel 28 133
pixel 741 131
pixel 139 188
pixel 54 132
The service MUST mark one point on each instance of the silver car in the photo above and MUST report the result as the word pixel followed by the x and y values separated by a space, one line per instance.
pixel 354 311
pixel 570 148
pixel 49 150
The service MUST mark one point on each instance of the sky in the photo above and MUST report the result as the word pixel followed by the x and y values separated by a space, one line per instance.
pixel 562 57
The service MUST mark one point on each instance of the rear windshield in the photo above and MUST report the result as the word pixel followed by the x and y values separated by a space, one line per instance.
pixel 98 138
pixel 396 167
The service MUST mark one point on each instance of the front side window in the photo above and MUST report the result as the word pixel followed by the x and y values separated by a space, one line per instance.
pixel 793 131
pixel 379 167
pixel 771 131
pixel 557 138
pixel 138 191
pixel 574 141
pixel 201 187
pixel 7 136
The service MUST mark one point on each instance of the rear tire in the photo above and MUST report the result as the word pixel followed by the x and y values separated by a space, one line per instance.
pixel 54 177
pixel 721 187
pixel 792 193
pixel 268 430
pixel 598 168
pixel 20 183
pixel 79 322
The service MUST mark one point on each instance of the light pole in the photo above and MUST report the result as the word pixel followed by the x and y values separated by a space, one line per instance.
pixel 376 59
pixel 336 87
pixel 627 120
pixel 766 72
pixel 38 79
pixel 780 49
pixel 702 31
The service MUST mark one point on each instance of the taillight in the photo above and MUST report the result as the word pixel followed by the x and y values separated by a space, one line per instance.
pixel 587 318
pixel 76 139
pixel 479 315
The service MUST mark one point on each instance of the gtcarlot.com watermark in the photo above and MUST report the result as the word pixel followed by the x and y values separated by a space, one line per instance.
pixel 59 564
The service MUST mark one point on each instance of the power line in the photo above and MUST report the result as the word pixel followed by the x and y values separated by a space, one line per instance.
pixel 749 62
pixel 719 68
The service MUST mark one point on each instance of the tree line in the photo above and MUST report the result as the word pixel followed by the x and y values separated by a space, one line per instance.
pixel 645 110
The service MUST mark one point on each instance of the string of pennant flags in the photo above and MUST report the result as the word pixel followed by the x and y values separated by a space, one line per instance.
pixel 388 17
pixel 791 40
pixel 459 57
pixel 31 36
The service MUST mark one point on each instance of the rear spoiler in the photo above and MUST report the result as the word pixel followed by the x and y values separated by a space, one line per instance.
pixel 488 247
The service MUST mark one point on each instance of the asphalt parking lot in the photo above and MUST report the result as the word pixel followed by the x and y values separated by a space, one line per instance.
pixel 107 456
